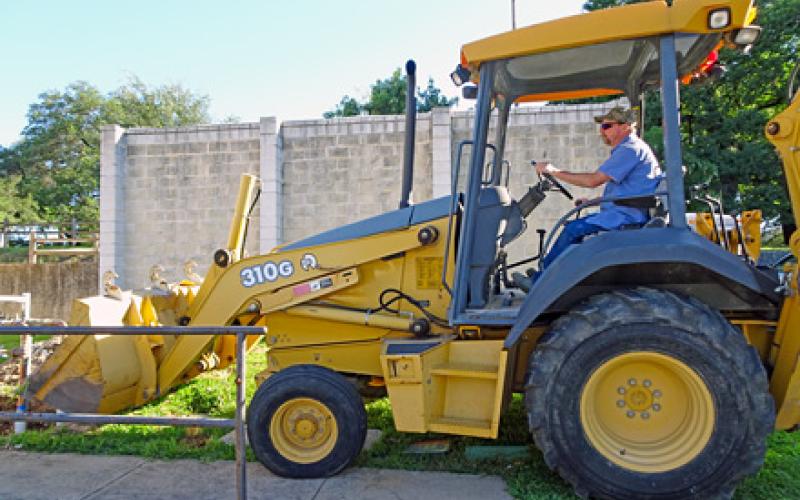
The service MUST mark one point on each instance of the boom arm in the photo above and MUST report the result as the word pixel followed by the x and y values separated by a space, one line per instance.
pixel 783 132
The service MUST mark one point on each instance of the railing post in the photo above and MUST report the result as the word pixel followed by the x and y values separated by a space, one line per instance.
pixel 25 364
pixel 32 248
pixel 241 450
pixel 74 233
pixel 4 241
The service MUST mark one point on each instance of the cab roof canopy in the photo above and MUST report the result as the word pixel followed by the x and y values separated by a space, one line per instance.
pixel 605 52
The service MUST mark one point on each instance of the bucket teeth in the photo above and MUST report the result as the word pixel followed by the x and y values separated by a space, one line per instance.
pixel 149 315
pixel 132 316
pixel 181 303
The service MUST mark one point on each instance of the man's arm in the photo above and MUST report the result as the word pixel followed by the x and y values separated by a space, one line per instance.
pixel 587 180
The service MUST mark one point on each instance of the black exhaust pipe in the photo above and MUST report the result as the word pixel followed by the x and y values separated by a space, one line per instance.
pixel 411 128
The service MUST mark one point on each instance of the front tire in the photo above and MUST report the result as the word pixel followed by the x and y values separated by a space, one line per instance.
pixel 306 422
pixel 647 394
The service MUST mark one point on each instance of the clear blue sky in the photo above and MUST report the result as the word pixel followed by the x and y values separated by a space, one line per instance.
pixel 253 58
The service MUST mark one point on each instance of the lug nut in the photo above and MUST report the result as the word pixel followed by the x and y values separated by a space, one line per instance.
pixel 631 414
pixel 621 390
pixel 656 407
pixel 656 393
pixel 645 415
pixel 620 403
pixel 632 381
pixel 647 383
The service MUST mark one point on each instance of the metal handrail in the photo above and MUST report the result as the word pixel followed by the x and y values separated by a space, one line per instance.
pixel 454 171
pixel 237 422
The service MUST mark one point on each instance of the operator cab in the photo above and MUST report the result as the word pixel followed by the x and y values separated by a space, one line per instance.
pixel 506 73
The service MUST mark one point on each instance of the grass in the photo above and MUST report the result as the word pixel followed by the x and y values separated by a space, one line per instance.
pixel 14 254
pixel 12 341
pixel 213 394
pixel 19 254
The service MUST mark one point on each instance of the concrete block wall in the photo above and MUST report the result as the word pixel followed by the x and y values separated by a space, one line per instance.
pixel 178 191
pixel 167 195
pixel 346 169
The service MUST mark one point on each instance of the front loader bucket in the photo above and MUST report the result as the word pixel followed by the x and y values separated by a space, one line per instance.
pixel 102 373
pixel 96 373
pixel 89 374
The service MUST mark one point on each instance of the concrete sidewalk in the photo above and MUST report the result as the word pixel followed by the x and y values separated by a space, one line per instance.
pixel 66 476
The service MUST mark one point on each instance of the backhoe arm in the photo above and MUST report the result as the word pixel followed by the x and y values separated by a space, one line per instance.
pixel 783 132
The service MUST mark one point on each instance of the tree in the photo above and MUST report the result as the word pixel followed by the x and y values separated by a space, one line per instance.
pixel 168 106
pixel 388 97
pixel 57 160
pixel 604 4
pixel 15 207
pixel 722 122
pixel 348 106
pixel 432 97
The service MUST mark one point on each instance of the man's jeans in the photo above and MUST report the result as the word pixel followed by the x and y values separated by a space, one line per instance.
pixel 573 232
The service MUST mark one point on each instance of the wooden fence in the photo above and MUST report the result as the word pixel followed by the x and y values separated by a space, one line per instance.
pixel 61 239
pixel 61 247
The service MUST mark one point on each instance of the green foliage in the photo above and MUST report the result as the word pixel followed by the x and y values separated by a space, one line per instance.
pixel 388 97
pixel 14 205
pixel 591 5
pixel 10 342
pixel 14 254
pixel 169 106
pixel 432 97
pixel 778 478
pixel 348 106
pixel 725 121
pixel 55 168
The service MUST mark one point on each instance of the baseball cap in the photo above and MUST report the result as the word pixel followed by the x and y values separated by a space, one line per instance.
pixel 617 114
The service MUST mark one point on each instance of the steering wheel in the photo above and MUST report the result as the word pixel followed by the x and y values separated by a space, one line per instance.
pixel 552 180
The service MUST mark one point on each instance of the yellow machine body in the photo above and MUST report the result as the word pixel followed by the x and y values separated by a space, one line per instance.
pixel 740 237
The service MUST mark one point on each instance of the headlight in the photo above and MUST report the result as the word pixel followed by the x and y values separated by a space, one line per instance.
pixel 747 35
pixel 719 18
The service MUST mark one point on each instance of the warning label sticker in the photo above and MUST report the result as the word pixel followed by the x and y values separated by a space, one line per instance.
pixel 429 272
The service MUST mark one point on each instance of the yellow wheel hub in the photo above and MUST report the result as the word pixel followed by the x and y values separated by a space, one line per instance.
pixel 303 430
pixel 647 412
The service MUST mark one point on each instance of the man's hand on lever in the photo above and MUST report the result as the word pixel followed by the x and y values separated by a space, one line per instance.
pixel 544 167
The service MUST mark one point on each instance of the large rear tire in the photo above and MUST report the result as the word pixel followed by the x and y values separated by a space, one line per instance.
pixel 647 394
pixel 305 422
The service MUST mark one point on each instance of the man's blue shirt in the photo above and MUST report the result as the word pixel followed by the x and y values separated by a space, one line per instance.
pixel 634 170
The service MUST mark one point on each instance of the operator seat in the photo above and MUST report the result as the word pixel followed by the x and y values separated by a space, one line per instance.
pixel 499 220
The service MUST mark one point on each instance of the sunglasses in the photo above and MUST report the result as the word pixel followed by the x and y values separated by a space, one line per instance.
pixel 606 126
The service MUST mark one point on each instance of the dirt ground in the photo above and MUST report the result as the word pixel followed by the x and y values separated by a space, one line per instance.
pixel 9 382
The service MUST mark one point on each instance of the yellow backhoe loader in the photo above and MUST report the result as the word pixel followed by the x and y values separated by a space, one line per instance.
pixel 654 360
